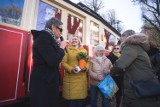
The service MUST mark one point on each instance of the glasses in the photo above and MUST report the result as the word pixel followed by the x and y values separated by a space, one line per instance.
pixel 116 48
pixel 60 29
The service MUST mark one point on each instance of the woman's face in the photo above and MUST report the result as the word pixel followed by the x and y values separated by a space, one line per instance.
pixel 100 53
pixel 123 38
pixel 57 30
pixel 74 41
pixel 116 49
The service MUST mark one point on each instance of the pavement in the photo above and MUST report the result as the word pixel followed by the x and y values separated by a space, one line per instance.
pixel 63 103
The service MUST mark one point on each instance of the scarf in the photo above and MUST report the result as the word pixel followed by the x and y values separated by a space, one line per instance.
pixel 117 54
pixel 52 34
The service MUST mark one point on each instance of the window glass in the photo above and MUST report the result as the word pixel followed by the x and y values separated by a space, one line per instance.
pixel 11 11
pixel 74 27
pixel 94 33
pixel 45 12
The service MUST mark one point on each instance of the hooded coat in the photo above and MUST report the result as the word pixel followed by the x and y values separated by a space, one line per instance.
pixel 74 85
pixel 45 76
pixel 136 66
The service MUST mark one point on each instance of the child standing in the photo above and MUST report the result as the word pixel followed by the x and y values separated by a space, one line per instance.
pixel 100 66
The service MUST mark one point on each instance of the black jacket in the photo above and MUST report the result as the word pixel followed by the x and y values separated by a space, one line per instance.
pixel 45 76
pixel 112 57
pixel 154 54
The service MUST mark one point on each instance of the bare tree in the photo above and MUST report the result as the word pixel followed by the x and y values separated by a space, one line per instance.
pixel 95 5
pixel 150 12
pixel 151 31
pixel 111 17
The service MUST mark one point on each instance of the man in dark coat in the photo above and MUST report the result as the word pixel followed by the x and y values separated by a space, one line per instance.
pixel 47 55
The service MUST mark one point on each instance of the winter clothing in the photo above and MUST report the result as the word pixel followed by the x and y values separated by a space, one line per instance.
pixel 98 68
pixel 74 85
pixel 117 78
pixel 94 90
pixel 136 65
pixel 154 54
pixel 45 76
pixel 113 56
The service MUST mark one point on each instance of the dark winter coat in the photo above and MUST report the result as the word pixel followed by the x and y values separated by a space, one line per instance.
pixel 136 65
pixel 154 54
pixel 45 76
pixel 112 57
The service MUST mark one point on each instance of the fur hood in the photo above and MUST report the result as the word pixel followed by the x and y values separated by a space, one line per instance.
pixel 137 39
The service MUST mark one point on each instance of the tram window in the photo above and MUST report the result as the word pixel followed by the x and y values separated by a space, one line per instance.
pixel 11 11
pixel 94 33
pixel 74 27
pixel 45 12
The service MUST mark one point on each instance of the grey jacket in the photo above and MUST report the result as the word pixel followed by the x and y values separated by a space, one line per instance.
pixel 134 61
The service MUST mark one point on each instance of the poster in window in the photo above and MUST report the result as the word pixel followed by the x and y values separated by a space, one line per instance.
pixel 11 11
pixel 45 12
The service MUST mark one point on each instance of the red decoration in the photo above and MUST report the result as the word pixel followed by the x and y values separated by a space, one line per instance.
pixel 58 14
pixel 107 35
pixel 72 29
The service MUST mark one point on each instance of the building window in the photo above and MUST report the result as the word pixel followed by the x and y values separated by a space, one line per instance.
pixel 11 11
pixel 74 27
pixel 45 12
pixel 94 33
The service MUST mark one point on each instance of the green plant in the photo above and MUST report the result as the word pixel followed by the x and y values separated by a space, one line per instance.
pixel 82 55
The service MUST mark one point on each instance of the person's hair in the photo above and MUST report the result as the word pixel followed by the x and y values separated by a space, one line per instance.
pixel 99 47
pixel 78 40
pixel 114 47
pixel 152 42
pixel 138 38
pixel 53 21
pixel 128 33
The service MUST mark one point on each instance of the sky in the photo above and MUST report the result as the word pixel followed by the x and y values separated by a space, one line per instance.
pixel 129 14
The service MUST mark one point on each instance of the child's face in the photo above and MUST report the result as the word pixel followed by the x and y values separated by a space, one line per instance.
pixel 100 53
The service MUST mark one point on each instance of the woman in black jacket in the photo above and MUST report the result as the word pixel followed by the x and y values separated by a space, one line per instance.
pixel 154 54
pixel 113 56
pixel 47 55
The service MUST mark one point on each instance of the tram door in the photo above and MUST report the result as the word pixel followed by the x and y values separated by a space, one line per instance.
pixel 13 63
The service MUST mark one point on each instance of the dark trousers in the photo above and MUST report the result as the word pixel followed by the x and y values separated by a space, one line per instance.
pixel 119 82
pixel 43 93
pixel 75 103
pixel 94 95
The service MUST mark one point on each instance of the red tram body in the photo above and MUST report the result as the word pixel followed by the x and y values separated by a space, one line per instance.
pixel 16 43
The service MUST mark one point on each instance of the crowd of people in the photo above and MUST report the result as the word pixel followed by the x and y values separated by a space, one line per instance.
pixel 132 59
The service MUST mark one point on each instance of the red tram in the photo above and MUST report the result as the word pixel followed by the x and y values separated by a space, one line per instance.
pixel 16 39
